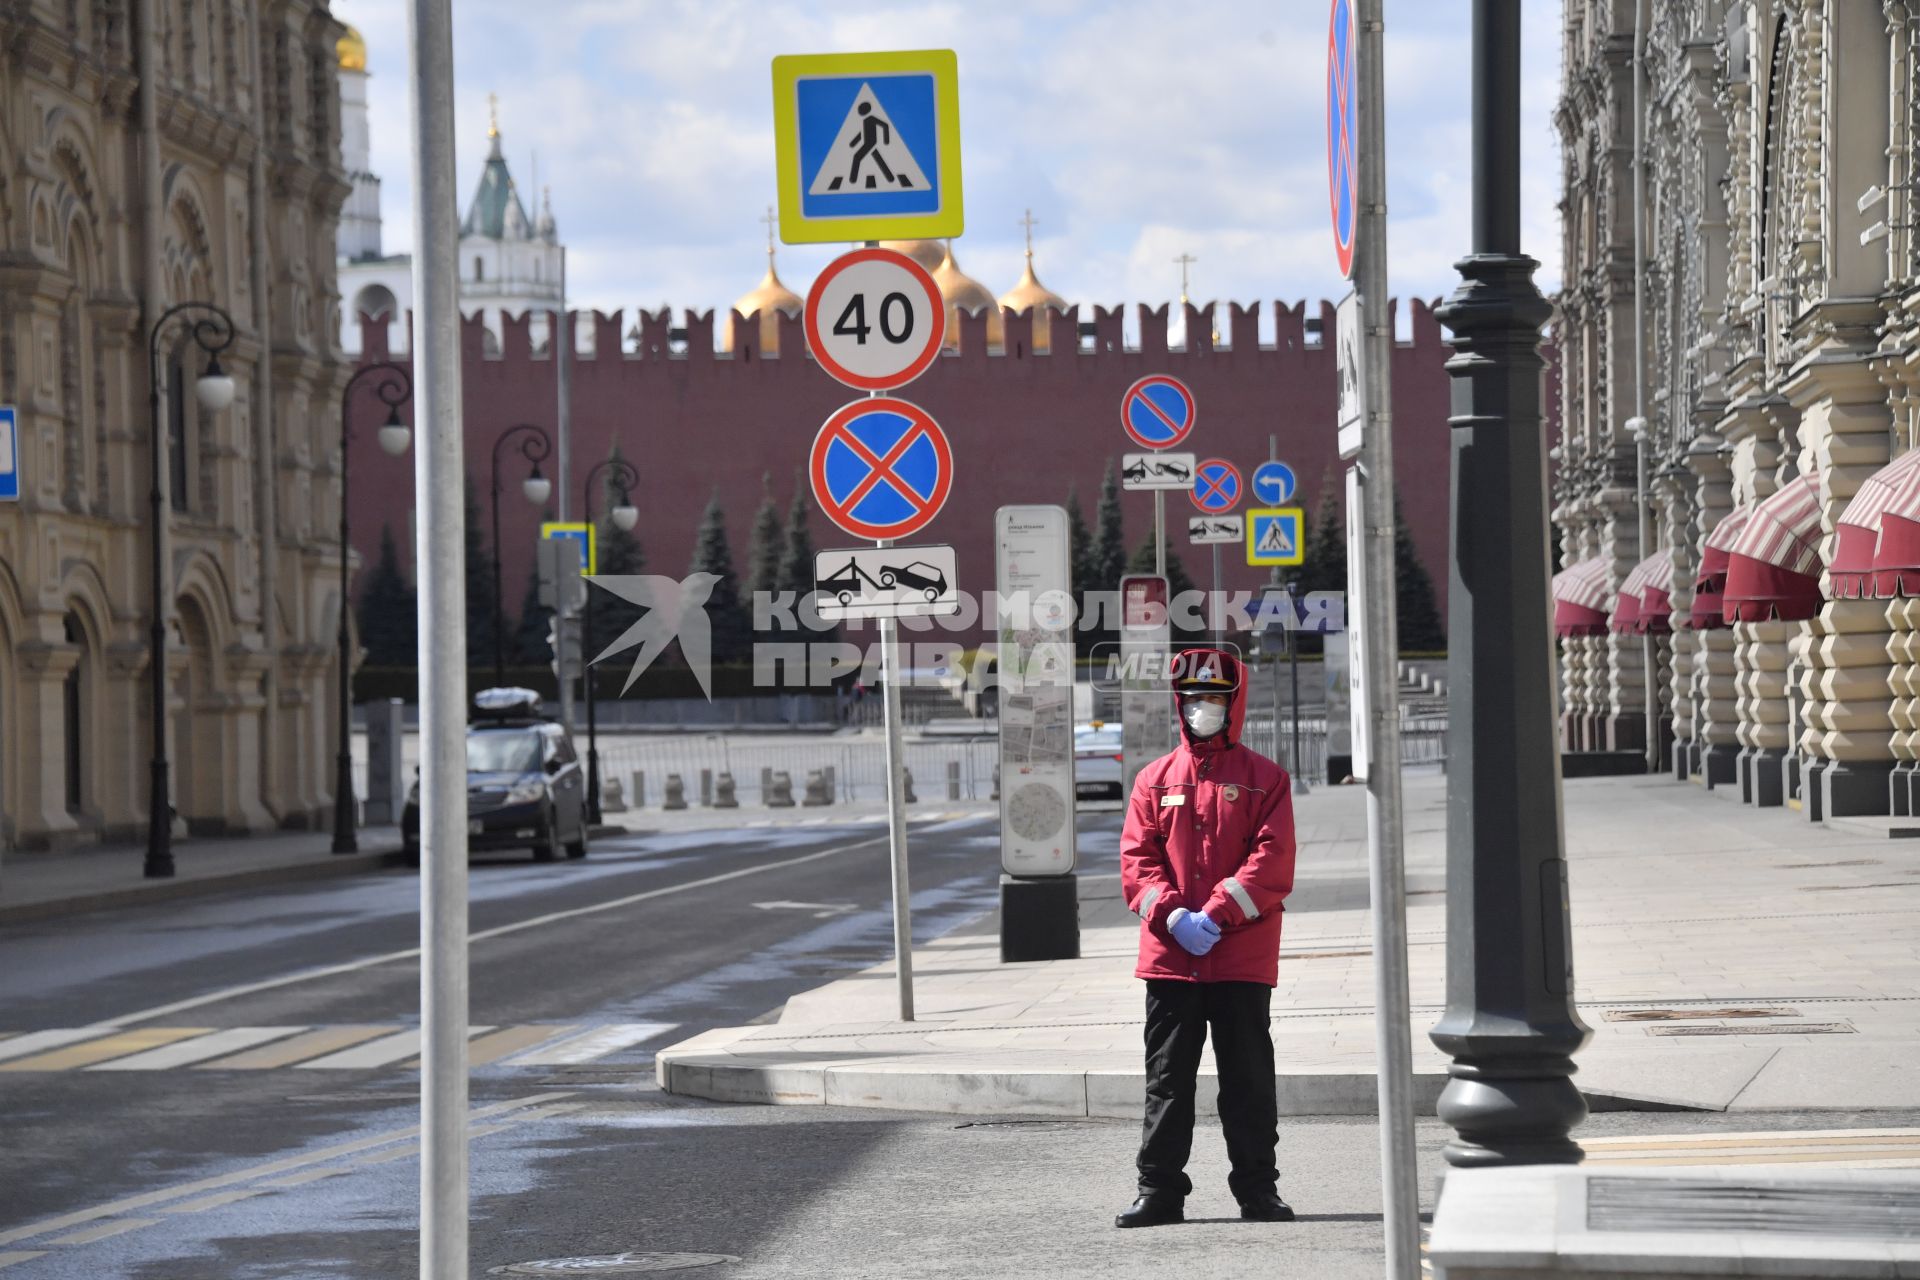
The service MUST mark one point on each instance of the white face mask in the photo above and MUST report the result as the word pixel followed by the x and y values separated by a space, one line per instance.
pixel 1204 719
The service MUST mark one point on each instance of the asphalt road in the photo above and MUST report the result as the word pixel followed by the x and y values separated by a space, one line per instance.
pixel 305 1171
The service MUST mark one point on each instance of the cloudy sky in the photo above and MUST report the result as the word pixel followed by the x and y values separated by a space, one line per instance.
pixel 1135 130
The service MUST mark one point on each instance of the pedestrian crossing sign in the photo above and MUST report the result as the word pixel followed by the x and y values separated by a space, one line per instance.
pixel 1275 535
pixel 867 146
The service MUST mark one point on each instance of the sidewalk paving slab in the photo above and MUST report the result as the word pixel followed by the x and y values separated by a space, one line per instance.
pixel 1726 958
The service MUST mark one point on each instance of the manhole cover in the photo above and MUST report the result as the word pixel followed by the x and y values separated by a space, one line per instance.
pixel 612 1264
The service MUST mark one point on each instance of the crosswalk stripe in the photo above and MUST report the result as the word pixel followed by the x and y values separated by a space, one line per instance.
pixel 99 1050
pixel 374 1053
pixel 37 1041
pixel 20 1255
pixel 492 1048
pixel 214 1045
pixel 592 1044
pixel 301 1047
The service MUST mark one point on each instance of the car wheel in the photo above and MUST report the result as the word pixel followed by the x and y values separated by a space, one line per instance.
pixel 577 847
pixel 548 850
pixel 933 595
pixel 887 579
pixel 846 598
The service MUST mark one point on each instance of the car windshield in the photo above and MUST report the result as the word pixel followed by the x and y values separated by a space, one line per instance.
pixel 1097 740
pixel 503 752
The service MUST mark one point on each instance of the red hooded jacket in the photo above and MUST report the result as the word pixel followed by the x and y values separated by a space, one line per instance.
pixel 1210 828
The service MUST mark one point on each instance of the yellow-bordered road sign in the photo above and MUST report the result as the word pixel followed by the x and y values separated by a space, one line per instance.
pixel 867 145
pixel 580 533
pixel 1276 535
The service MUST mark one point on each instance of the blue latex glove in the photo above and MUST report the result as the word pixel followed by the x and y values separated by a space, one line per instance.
pixel 1194 930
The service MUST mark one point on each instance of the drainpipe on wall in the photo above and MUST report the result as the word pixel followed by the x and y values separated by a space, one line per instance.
pixel 1637 427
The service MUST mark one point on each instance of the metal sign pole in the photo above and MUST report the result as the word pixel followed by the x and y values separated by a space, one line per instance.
pixel 1213 606
pixel 1387 857
pixel 562 342
pixel 1160 532
pixel 440 553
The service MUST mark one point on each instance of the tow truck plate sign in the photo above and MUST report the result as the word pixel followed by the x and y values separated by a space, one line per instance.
pixel 1156 471
pixel 885 582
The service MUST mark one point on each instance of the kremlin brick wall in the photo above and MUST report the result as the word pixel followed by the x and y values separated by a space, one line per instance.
pixel 1025 427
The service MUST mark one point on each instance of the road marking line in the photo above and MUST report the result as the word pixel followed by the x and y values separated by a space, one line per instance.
pixel 214 1201
pixel 21 1255
pixel 37 1041
pixel 215 1045
pixel 105 1229
pixel 302 1179
pixel 1772 1137
pixel 113 1046
pixel 593 1044
pixel 388 1157
pixel 282 1165
pixel 1843 1159
pixel 375 1053
pixel 499 931
pixel 491 1048
pixel 301 1047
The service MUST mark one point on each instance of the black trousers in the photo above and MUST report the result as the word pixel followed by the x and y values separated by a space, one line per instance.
pixel 1179 1015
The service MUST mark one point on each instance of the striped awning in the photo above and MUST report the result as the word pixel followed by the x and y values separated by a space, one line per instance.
pixel 1773 570
pixel 1580 599
pixel 1895 487
pixel 1710 583
pixel 1645 604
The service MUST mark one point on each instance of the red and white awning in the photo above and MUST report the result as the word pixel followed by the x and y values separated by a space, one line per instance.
pixel 1895 487
pixel 1710 583
pixel 1773 569
pixel 1645 604
pixel 1580 599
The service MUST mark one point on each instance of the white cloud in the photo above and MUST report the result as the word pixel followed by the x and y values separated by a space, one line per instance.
pixel 1134 129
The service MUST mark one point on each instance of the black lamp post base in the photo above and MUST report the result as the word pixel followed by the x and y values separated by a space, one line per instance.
pixel 159 863
pixel 1522 1113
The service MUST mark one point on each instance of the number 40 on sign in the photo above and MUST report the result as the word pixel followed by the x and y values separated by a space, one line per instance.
pixel 875 319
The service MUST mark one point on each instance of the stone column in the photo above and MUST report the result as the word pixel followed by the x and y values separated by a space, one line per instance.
pixel 1760 657
pixel 1711 683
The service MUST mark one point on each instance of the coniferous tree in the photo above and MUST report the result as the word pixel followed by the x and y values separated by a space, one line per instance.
pixel 481 605
pixel 764 560
pixel 796 560
pixel 1081 569
pixel 1324 567
pixel 389 625
pixel 731 624
pixel 1109 535
pixel 1419 612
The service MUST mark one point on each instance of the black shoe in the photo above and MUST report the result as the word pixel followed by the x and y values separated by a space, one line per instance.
pixel 1266 1208
pixel 1149 1211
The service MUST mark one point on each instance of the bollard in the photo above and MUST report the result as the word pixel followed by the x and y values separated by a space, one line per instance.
pixel 706 788
pixel 613 797
pixel 766 783
pixel 639 788
pixel 832 785
pixel 816 790
pixel 906 785
pixel 953 779
pixel 779 793
pixel 676 793
pixel 723 793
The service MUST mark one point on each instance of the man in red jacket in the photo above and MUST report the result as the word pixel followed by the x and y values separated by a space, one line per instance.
pixel 1206 860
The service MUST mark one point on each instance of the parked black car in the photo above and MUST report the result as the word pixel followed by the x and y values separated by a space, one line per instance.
pixel 525 787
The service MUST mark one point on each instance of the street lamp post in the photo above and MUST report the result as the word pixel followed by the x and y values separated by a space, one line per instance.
pixel 1510 1025
pixel 395 388
pixel 625 515
pixel 212 331
pixel 535 446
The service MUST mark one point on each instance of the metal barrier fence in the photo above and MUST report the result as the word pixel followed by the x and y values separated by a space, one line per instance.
pixel 1423 740
pixel 859 767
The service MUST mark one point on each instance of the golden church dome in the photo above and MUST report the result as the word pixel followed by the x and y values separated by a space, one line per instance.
pixel 964 293
pixel 352 51
pixel 925 252
pixel 770 299
pixel 1030 294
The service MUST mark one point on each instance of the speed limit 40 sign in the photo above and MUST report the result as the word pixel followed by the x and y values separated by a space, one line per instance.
pixel 875 319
